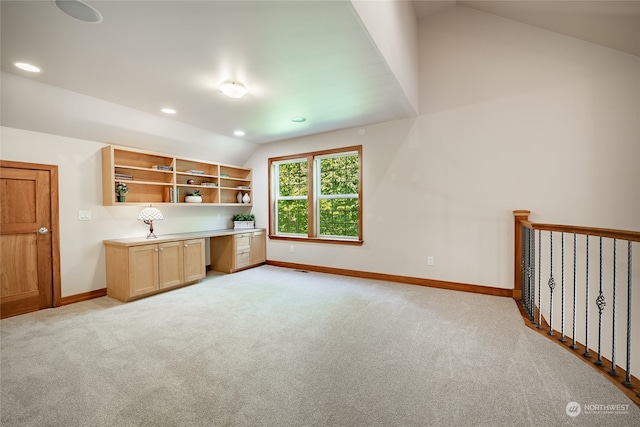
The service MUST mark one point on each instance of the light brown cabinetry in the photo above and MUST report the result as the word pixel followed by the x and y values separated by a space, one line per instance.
pixel 194 260
pixel 161 178
pixel 135 271
pixel 238 251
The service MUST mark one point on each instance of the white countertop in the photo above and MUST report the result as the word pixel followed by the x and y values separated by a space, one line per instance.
pixel 135 241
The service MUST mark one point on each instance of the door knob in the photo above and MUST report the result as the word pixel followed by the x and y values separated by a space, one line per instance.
pixel 43 230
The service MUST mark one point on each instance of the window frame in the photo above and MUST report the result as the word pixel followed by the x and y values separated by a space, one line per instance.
pixel 312 196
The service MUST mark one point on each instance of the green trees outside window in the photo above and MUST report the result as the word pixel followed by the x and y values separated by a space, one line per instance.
pixel 317 195
pixel 292 204
pixel 338 196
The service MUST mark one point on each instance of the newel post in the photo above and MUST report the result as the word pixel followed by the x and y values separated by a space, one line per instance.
pixel 519 215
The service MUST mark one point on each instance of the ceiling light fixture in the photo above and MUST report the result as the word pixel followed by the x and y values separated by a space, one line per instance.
pixel 27 67
pixel 233 89
pixel 168 111
pixel 77 9
pixel 298 119
pixel 239 133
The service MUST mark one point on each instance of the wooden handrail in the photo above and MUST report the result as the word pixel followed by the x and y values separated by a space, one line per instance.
pixel 633 236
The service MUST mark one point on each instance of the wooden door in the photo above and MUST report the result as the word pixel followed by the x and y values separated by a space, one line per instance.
pixel 29 247
pixel 194 262
pixel 143 270
pixel 170 264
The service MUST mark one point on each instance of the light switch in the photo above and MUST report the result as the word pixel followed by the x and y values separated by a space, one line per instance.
pixel 84 215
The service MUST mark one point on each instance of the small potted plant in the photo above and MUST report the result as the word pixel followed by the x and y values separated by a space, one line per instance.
pixel 121 191
pixel 194 197
pixel 244 221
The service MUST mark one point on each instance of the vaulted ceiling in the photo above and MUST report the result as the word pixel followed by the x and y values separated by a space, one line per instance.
pixel 313 59
pixel 610 23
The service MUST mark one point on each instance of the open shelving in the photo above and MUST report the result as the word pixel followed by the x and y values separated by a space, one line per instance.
pixel 161 178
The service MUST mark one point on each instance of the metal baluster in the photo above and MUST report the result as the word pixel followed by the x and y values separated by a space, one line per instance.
pixel 539 279
pixel 575 295
pixel 601 303
pixel 523 267
pixel 552 284
pixel 613 371
pixel 586 323
pixel 533 275
pixel 562 337
pixel 627 380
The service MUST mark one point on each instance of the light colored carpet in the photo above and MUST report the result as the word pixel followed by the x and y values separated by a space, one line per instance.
pixel 277 347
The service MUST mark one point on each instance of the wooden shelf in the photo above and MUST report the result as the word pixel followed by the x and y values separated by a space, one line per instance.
pixel 161 178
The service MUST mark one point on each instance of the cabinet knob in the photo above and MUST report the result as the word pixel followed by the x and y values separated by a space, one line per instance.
pixel 186 245
pixel 162 249
pixel 156 249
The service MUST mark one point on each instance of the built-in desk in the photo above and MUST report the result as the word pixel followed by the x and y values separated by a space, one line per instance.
pixel 138 267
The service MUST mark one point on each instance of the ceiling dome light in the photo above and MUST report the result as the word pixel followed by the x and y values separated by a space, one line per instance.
pixel 239 133
pixel 168 111
pixel 77 9
pixel 298 119
pixel 233 89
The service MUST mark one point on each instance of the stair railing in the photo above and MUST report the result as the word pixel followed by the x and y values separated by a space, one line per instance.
pixel 595 271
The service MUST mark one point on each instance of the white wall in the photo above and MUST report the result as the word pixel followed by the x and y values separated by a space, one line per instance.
pixel 82 261
pixel 512 117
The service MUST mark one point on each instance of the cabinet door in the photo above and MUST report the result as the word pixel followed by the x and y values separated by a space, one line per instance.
pixel 258 247
pixel 171 265
pixel 143 269
pixel 194 262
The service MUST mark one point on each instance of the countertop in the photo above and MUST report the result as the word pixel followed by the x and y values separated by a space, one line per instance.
pixel 136 241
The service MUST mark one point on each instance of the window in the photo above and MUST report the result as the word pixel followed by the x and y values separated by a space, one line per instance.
pixel 317 196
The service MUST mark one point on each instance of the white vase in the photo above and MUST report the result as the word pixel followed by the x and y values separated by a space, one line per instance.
pixel 246 198
pixel 239 197
pixel 193 199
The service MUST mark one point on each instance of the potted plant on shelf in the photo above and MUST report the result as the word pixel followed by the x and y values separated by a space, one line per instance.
pixel 121 191
pixel 244 221
pixel 194 197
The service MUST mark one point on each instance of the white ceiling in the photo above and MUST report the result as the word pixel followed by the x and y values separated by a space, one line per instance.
pixel 309 58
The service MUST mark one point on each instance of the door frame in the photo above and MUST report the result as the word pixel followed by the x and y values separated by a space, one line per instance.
pixel 55 220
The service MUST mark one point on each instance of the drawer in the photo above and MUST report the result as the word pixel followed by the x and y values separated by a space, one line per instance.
pixel 243 257
pixel 243 240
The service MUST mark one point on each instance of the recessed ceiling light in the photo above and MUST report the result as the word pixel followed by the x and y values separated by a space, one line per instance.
pixel 298 119
pixel 27 67
pixel 239 133
pixel 168 111
pixel 233 89
pixel 77 9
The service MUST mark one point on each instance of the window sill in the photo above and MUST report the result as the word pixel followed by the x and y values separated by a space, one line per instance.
pixel 334 241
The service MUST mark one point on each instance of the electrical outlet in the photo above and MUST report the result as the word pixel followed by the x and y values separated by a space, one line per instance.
pixel 430 260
